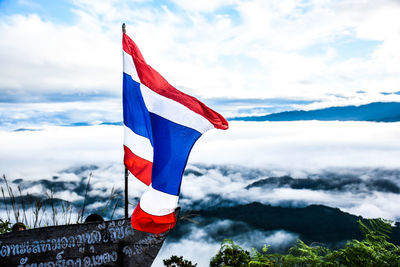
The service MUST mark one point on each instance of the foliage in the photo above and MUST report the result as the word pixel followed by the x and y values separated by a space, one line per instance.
pixel 373 250
pixel 304 255
pixel 378 228
pixel 263 258
pixel 5 226
pixel 230 254
pixel 176 261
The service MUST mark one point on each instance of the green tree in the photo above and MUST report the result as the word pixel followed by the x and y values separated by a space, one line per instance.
pixel 373 250
pixel 263 258
pixel 176 261
pixel 230 254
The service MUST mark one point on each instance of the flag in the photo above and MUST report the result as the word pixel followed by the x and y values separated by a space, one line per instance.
pixel 161 125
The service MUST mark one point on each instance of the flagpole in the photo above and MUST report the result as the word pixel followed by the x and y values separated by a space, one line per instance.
pixel 126 193
pixel 126 170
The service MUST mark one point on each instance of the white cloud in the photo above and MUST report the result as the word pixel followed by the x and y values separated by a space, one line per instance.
pixel 283 148
pixel 39 56
pixel 298 149
pixel 195 250
pixel 203 6
pixel 47 151
pixel 199 247
pixel 376 205
pixel 301 145
pixel 36 115
pixel 280 239
pixel 210 49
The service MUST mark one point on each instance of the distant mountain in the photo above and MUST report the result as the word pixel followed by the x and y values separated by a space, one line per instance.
pixel 26 130
pixel 117 123
pixel 314 223
pixel 338 184
pixel 377 111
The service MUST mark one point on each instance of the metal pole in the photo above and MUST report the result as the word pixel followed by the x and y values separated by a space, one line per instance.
pixel 126 193
pixel 126 170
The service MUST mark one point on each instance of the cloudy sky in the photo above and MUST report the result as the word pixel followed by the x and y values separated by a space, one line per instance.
pixel 323 52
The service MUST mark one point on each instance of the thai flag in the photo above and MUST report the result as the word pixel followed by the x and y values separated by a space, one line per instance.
pixel 161 125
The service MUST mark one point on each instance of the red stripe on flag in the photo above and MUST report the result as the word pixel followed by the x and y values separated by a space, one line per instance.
pixel 153 80
pixel 145 222
pixel 138 166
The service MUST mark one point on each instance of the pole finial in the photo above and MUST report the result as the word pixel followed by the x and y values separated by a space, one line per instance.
pixel 123 28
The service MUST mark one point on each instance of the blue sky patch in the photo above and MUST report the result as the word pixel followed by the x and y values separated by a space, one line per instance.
pixel 58 11
pixel 346 48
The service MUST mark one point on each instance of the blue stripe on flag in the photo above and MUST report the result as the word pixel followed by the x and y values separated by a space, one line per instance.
pixel 172 145
pixel 136 115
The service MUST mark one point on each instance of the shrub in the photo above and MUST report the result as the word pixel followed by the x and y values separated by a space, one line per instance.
pixel 176 261
pixel 373 250
pixel 4 226
pixel 230 254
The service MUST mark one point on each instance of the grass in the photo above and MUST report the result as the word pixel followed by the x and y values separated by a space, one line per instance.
pixel 47 210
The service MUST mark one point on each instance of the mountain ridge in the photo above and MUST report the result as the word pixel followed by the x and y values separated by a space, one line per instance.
pixel 375 112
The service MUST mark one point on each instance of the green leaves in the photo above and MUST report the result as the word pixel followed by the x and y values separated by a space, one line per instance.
pixel 5 226
pixel 176 261
pixel 377 229
pixel 230 254
pixel 373 250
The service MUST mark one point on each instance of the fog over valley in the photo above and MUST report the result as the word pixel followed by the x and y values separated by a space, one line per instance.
pixel 258 166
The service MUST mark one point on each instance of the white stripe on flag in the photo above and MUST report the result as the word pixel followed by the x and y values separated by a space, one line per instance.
pixel 138 144
pixel 158 203
pixel 129 66
pixel 165 107
pixel 174 111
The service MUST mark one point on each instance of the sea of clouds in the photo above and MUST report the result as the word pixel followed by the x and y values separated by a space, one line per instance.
pixel 349 165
